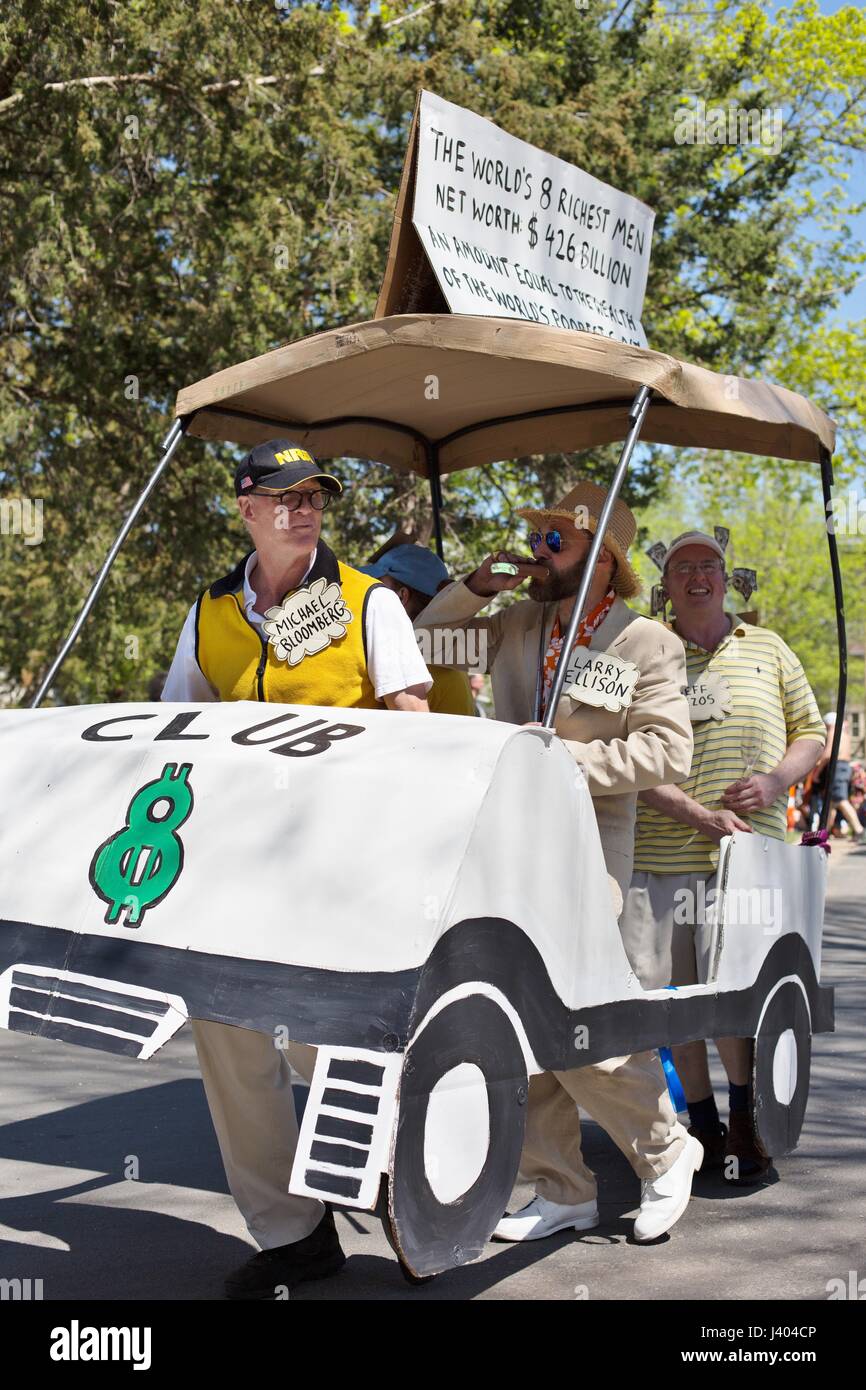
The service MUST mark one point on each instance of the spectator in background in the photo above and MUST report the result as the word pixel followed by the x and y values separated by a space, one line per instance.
pixel 801 819
pixel 841 785
pixel 479 694
pixel 857 795
pixel 415 574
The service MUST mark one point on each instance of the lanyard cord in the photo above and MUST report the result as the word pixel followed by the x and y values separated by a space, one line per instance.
pixel 542 652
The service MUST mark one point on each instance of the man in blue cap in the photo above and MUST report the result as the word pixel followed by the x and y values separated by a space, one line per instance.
pixel 416 574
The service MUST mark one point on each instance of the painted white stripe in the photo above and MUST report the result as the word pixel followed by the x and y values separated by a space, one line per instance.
pixel 336 1168
pixel 797 981
pixel 337 1139
pixel 95 1003
pixel 77 1023
pixel 345 1113
pixel 359 1086
pixel 465 991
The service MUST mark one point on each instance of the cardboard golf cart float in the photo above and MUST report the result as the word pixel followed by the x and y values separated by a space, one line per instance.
pixel 388 911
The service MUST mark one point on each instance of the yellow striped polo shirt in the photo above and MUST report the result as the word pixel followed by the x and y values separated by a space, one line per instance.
pixel 769 696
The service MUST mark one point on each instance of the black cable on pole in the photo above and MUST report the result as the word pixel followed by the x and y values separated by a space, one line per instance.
pixel 432 452
pixel 841 633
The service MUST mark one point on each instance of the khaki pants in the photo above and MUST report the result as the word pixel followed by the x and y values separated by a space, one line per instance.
pixel 628 1096
pixel 247 1081
pixel 667 927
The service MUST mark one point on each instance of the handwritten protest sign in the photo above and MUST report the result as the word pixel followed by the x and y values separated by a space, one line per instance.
pixel 513 232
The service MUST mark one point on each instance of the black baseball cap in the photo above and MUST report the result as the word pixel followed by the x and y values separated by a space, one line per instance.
pixel 279 464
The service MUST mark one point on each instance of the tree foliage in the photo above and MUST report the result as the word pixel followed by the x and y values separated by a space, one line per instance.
pixel 786 544
pixel 184 187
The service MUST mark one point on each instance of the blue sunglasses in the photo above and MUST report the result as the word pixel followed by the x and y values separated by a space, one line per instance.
pixel 552 539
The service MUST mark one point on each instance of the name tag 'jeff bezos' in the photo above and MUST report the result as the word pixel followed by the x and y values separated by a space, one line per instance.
pixel 599 679
pixel 709 697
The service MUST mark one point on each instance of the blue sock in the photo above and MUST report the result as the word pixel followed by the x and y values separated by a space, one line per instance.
pixel 704 1114
pixel 738 1098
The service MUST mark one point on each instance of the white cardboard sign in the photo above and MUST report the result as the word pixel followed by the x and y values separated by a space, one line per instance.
pixel 512 232
pixel 309 620
pixel 600 679
pixel 709 697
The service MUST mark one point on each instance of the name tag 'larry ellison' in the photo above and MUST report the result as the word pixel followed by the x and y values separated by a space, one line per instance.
pixel 599 679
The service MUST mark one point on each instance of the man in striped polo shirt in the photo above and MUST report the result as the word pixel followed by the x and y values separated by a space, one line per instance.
pixel 757 730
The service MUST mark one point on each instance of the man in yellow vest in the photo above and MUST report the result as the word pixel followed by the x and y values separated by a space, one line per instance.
pixel 416 574
pixel 271 631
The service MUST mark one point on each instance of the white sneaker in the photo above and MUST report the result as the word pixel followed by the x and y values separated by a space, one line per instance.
pixel 664 1200
pixel 542 1218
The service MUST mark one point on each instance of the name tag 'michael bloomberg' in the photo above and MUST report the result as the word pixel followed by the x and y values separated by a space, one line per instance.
pixel 308 622
pixel 599 679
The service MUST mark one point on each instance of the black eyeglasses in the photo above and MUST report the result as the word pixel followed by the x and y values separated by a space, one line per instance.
pixel 318 499
pixel 552 539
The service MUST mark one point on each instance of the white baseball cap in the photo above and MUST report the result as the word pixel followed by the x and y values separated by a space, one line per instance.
pixel 693 538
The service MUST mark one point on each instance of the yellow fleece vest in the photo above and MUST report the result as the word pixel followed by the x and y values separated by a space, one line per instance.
pixel 241 663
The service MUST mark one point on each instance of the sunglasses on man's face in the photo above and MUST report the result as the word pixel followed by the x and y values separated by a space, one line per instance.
pixel 552 539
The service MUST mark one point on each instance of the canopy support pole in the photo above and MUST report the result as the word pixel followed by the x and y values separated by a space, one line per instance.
pixel 169 446
pixel 431 448
pixel 637 414
pixel 841 634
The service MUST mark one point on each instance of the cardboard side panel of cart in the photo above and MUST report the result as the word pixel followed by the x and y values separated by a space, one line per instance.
pixel 396 890
pixel 340 878
pixel 331 874
pixel 285 872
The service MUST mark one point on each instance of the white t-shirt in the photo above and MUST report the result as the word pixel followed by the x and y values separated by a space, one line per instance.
pixel 394 661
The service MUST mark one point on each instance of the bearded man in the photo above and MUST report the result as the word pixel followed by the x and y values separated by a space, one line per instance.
pixel 644 741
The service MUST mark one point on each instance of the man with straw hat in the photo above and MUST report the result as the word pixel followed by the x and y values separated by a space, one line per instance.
pixel 625 720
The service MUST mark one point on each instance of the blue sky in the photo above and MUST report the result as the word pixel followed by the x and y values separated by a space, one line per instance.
pixel 853 306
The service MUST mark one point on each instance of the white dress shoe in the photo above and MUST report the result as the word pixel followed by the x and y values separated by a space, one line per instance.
pixel 664 1200
pixel 542 1218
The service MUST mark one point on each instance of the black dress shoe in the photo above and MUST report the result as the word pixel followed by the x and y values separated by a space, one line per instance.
pixel 268 1273
pixel 746 1160
pixel 714 1141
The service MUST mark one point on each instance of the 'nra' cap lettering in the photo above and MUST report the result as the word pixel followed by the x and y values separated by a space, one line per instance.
pixel 293 456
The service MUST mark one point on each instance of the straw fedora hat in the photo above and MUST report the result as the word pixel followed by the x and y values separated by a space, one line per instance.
pixel 621 530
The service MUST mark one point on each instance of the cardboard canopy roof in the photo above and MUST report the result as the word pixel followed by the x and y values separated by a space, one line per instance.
pixel 480 389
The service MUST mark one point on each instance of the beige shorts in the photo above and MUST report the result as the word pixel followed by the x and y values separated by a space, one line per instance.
pixel 667 927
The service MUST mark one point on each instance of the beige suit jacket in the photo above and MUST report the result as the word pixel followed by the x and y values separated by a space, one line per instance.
pixel 647 744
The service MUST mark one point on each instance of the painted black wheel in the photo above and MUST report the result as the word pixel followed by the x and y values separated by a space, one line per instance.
pixel 781 1065
pixel 462 1113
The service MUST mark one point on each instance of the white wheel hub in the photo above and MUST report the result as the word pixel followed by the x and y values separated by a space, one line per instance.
pixel 785 1067
pixel 456 1131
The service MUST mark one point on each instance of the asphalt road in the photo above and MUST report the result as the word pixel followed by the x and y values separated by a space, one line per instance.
pixel 112 1186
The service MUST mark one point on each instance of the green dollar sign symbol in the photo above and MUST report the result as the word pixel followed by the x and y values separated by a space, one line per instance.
pixel 137 866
